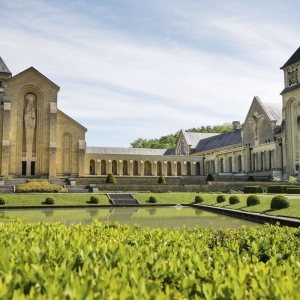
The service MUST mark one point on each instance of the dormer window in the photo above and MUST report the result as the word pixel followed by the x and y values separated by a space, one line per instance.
pixel 292 75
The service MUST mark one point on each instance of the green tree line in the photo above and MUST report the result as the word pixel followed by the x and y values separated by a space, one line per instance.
pixel 169 141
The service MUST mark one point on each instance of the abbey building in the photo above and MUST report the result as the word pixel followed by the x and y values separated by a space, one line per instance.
pixel 38 139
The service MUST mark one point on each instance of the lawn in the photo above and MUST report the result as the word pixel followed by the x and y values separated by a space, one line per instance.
pixel 162 198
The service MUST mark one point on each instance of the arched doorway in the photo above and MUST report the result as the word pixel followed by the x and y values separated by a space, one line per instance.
pixel 135 168
pixel 103 167
pixel 169 168
pixel 230 164
pixel 114 167
pixel 239 163
pixel 179 168
pixel 147 168
pixel 188 168
pixel 159 168
pixel 262 162
pixel 198 168
pixel 125 167
pixel 92 167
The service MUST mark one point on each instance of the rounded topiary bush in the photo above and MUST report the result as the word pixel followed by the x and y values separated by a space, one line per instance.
pixel 279 202
pixel 111 179
pixel 50 200
pixel 251 178
pixel 161 180
pixel 253 200
pixel 234 199
pixel 152 199
pixel 210 177
pixel 2 200
pixel 221 198
pixel 198 199
pixel 94 199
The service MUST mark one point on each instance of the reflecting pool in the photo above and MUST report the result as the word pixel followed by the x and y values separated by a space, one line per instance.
pixel 153 217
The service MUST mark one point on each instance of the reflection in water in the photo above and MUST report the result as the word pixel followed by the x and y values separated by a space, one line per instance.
pixel 154 217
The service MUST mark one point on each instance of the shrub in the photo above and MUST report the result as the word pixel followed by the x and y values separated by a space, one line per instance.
pixel 253 200
pixel 234 199
pixel 2 200
pixel 39 186
pixel 279 202
pixel 251 178
pixel 162 180
pixel 210 177
pixel 277 189
pixel 198 199
pixel 94 199
pixel 111 179
pixel 253 189
pixel 221 198
pixel 152 199
pixel 293 190
pixel 50 200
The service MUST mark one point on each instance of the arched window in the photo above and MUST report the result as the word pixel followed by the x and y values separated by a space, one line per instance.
pixel 92 167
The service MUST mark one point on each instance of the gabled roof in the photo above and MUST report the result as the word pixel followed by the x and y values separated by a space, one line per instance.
pixel 132 151
pixel 38 73
pixel 72 120
pixel 273 110
pixel 193 138
pixel 220 141
pixel 3 67
pixel 293 59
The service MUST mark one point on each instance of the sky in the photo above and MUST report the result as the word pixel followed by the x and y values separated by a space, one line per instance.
pixel 132 69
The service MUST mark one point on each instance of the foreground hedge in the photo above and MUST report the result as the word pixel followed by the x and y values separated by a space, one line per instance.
pixel 109 261
pixel 39 186
pixel 253 189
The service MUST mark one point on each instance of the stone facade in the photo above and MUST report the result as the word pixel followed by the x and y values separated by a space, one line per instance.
pixel 37 139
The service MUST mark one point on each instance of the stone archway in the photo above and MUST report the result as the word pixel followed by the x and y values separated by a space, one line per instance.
pixel 179 172
pixel 147 168
pixel 125 167
pixel 114 167
pixel 103 167
pixel 92 167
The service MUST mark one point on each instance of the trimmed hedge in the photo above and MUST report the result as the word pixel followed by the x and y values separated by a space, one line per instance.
pixel 221 198
pixel 39 186
pixel 152 199
pixel 277 189
pixel 94 199
pixel 293 190
pixel 253 189
pixel 234 199
pixel 161 180
pixel 50 200
pixel 253 200
pixel 198 199
pixel 2 200
pixel 251 178
pixel 279 202
pixel 111 179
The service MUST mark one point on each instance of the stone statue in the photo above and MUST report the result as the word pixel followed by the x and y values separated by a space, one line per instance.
pixel 255 118
pixel 30 122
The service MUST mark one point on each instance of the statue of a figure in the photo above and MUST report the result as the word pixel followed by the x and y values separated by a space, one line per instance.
pixel 30 121
pixel 255 119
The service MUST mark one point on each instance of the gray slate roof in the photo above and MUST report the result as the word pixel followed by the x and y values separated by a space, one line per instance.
pixel 3 67
pixel 130 151
pixel 193 138
pixel 293 59
pixel 274 111
pixel 220 141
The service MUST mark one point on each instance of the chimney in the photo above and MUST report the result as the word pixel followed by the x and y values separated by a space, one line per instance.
pixel 236 125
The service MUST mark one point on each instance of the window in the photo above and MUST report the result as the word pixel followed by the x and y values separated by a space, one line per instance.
pixel 292 75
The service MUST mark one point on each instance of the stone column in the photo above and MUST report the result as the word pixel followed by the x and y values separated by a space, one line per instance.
pixel 154 168
pixel 5 139
pixel 141 168
pixel 130 168
pixel 81 158
pixel 52 139
pixel 120 167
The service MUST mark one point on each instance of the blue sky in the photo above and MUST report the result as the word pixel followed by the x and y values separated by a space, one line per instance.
pixel 130 69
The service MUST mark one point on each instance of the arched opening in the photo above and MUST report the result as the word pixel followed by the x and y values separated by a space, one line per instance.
pixel 125 167
pixel 188 168
pixel 135 168
pixel 239 163
pixel 159 168
pixel 270 160
pixel 230 164
pixel 198 168
pixel 254 162
pixel 114 167
pixel 221 165
pixel 103 167
pixel 92 167
pixel 178 168
pixel 262 163
pixel 169 168
pixel 147 168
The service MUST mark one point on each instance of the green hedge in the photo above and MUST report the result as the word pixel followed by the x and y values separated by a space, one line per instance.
pixel 39 186
pixel 253 200
pixel 234 199
pixel 161 180
pixel 279 202
pixel 94 199
pixel 198 199
pixel 253 189
pixel 293 190
pixel 277 189
pixel 221 198
pixel 111 179
pixel 152 199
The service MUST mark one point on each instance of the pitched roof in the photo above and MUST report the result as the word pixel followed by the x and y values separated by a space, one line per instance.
pixel 293 59
pixel 220 141
pixel 132 151
pixel 3 67
pixel 193 138
pixel 274 111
